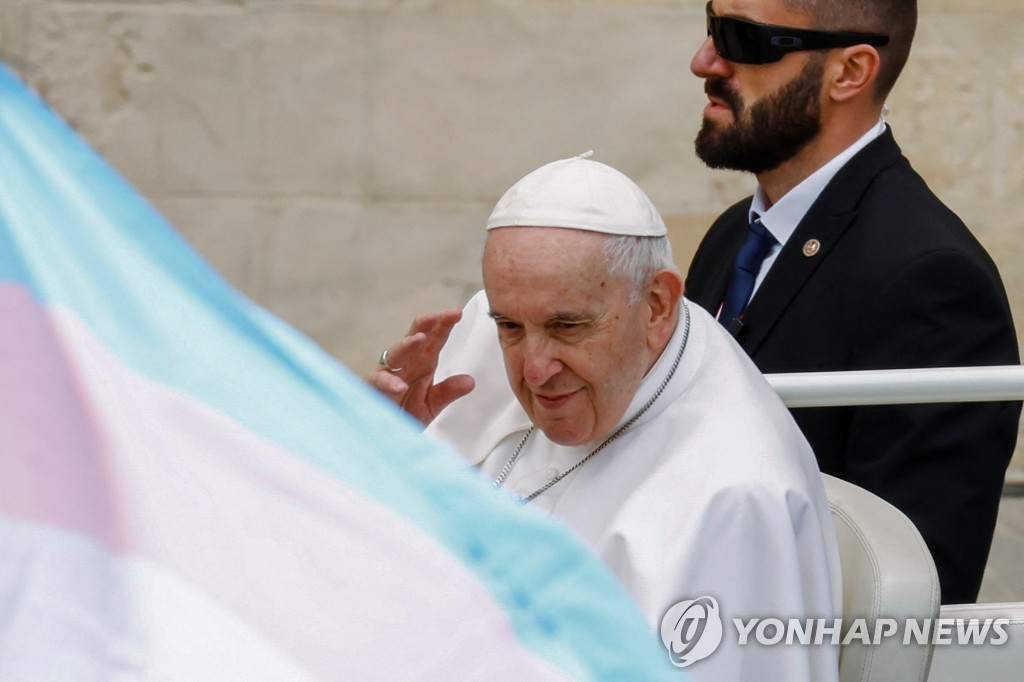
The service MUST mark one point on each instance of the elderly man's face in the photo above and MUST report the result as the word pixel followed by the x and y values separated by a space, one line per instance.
pixel 575 347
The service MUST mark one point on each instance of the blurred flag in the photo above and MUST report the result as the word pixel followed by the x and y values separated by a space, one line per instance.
pixel 189 489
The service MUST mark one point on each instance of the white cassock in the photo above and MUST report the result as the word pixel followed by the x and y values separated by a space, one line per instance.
pixel 712 492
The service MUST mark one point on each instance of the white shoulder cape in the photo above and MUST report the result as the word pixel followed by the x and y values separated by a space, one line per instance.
pixel 713 492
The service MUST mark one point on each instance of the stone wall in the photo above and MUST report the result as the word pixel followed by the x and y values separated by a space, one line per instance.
pixel 336 159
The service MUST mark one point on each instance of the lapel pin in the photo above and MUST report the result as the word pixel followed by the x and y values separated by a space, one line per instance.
pixel 811 247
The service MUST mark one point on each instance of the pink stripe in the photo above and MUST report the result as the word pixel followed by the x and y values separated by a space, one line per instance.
pixel 53 453
pixel 340 582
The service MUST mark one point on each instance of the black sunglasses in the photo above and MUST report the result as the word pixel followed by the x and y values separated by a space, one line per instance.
pixel 750 42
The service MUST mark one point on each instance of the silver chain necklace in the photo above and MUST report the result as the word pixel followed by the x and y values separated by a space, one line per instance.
pixel 507 469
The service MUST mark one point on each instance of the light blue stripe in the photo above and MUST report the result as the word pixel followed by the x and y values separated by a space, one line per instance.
pixel 79 237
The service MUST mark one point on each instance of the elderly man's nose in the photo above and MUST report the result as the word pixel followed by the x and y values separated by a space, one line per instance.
pixel 539 365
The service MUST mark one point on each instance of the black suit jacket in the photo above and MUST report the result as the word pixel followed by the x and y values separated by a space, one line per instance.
pixel 898 282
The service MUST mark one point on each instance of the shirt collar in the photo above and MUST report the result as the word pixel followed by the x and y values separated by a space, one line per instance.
pixel 782 218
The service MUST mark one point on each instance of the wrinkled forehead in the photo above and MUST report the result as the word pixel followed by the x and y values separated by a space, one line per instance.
pixel 526 248
pixel 548 260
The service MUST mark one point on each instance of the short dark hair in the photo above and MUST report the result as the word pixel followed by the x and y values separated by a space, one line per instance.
pixel 897 18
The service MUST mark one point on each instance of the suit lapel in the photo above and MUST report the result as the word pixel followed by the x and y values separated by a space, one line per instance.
pixel 824 225
pixel 790 272
pixel 718 279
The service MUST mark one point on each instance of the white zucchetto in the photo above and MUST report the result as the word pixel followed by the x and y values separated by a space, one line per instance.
pixel 578 194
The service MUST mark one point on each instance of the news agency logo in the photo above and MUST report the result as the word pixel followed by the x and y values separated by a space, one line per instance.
pixel 691 630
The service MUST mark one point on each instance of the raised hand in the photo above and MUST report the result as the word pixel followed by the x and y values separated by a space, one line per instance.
pixel 405 373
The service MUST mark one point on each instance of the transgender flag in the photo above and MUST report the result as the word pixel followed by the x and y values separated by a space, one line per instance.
pixel 190 490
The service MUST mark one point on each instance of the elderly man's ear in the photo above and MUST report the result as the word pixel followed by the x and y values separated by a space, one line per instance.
pixel 663 294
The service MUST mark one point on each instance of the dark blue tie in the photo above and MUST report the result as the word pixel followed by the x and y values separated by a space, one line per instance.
pixel 744 271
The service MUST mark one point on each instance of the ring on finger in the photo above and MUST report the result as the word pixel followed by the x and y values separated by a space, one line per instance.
pixel 383 362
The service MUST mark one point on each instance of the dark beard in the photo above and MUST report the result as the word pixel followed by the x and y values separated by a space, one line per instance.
pixel 771 132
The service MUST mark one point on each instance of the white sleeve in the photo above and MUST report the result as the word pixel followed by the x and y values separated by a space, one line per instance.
pixel 761 556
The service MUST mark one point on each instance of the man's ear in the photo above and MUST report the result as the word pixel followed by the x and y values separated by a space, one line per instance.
pixel 852 71
pixel 663 294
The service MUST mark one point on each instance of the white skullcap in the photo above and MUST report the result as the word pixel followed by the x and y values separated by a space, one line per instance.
pixel 579 194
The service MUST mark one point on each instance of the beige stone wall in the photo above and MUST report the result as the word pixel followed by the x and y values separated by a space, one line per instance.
pixel 335 159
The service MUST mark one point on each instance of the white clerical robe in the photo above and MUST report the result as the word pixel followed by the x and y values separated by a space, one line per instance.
pixel 712 492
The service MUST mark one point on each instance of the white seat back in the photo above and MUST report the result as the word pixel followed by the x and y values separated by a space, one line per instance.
pixel 888 572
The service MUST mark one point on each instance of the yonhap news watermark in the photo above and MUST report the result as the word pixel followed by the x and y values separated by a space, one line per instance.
pixel 693 629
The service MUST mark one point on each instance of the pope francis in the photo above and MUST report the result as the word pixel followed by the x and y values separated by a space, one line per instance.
pixel 631 415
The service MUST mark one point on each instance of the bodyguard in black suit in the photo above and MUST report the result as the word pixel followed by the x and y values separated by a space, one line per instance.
pixel 876 274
